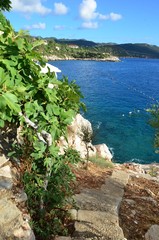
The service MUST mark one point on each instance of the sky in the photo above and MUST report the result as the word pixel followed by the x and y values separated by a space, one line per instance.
pixel 102 21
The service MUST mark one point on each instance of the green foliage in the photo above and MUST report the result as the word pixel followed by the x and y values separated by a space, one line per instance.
pixel 154 122
pixel 87 134
pixel 43 114
pixel 153 171
pixel 86 138
pixel 51 220
pixel 5 5
pixel 87 49
pixel 101 162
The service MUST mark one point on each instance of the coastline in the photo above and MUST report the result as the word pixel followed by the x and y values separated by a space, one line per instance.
pixel 108 59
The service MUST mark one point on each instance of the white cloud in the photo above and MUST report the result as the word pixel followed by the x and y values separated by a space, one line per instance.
pixel 90 25
pixel 103 17
pixel 36 26
pixel 30 6
pixel 88 12
pixel 111 16
pixel 59 27
pixel 60 9
pixel 115 16
pixel 87 9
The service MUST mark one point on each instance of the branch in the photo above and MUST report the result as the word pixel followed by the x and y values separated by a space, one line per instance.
pixel 48 137
pixel 44 136
pixel 28 121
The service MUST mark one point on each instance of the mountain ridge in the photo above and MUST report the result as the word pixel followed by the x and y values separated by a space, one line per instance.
pixel 141 50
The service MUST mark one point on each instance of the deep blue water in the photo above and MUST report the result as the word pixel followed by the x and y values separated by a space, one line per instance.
pixel 117 95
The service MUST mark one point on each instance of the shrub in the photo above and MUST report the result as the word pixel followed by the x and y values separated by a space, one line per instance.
pixel 43 113
pixel 101 162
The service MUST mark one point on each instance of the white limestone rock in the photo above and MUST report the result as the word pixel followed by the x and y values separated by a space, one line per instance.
pixel 79 133
pixel 3 160
pixel 6 181
pixel 103 151
pixel 152 233
pixel 12 224
pixel 5 172
pixel 76 135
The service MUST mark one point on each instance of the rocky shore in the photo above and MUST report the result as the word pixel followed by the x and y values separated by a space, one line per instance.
pixel 79 137
pixel 108 59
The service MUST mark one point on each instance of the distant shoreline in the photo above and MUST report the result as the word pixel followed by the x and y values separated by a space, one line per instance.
pixel 108 59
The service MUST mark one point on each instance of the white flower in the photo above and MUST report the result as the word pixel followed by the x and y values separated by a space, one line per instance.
pixel 51 86
pixel 1 32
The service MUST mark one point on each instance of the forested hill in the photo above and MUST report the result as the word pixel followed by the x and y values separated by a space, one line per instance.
pixel 133 50
pixel 78 42
pixel 81 48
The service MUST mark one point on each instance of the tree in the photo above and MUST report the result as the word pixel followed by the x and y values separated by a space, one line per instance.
pixel 154 122
pixel 5 5
pixel 43 107
pixel 86 137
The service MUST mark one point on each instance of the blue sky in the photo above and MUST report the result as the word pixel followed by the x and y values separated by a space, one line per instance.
pixel 118 21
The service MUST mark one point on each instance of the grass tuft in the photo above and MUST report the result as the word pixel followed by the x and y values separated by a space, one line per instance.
pixel 101 162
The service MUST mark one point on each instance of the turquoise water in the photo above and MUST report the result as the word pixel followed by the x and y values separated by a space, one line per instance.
pixel 117 95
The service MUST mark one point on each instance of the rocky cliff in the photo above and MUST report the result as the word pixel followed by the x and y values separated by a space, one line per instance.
pixel 80 138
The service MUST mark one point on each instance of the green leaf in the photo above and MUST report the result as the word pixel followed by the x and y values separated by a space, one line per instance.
pixel 3 76
pixel 45 116
pixel 37 43
pixel 38 155
pixel 10 154
pixel 21 89
pixel 49 109
pixel 39 146
pixel 54 150
pixel 56 110
pixel 2 103
pixel 2 123
pixel 12 101
pixel 20 43
pixel 48 162
pixel 53 109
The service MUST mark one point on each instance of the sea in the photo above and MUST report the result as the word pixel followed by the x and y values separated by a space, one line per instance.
pixel 117 96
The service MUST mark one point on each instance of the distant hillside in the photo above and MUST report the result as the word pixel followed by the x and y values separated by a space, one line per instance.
pixel 136 50
pixel 79 42
pixel 89 49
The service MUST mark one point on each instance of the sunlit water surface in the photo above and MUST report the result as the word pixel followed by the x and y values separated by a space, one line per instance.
pixel 117 95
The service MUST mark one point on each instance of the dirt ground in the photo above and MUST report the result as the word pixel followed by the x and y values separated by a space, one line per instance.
pixel 139 208
pixel 92 177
